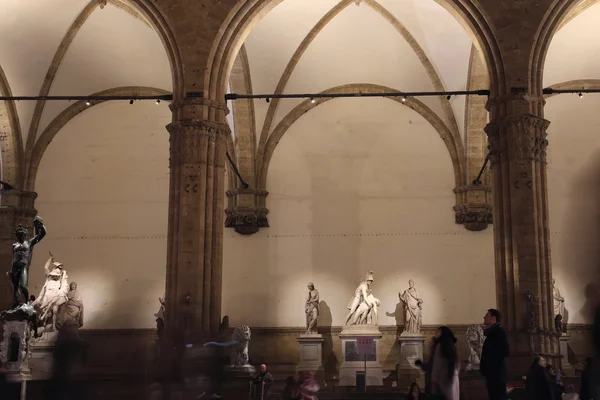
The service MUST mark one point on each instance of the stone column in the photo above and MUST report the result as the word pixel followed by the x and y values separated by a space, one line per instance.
pixel 195 246
pixel 517 140
pixel 16 208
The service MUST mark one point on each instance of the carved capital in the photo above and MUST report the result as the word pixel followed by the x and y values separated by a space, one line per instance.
pixel 246 212
pixel 522 138
pixel 475 210
pixel 198 142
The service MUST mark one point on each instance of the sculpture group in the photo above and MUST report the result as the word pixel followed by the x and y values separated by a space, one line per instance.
pixel 59 304
pixel 363 307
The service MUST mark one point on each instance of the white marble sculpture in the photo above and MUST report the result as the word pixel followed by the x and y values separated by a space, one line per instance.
pixel 311 309
pixel 413 306
pixel 475 339
pixel 559 301
pixel 362 308
pixel 54 293
pixel 239 350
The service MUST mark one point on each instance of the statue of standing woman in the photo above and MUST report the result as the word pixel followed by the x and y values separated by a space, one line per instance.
pixel 22 251
pixel 311 309
pixel 413 305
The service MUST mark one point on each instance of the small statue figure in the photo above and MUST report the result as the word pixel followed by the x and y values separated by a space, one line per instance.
pixel 413 306
pixel 71 313
pixel 362 303
pixel 22 251
pixel 475 339
pixel 53 294
pixel 311 309
pixel 559 301
pixel 558 325
pixel 224 325
pixel 160 318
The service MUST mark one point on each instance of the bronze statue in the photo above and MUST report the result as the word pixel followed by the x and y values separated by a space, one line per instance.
pixel 22 250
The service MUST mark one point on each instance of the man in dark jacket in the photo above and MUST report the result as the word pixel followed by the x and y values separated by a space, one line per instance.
pixel 495 350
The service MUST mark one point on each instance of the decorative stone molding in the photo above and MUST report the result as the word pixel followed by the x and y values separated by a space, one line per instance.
pixel 524 137
pixel 191 142
pixel 246 212
pixel 475 211
pixel 15 333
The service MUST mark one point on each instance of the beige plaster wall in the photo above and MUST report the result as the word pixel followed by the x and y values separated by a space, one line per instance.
pixel 574 195
pixel 359 184
pixel 103 193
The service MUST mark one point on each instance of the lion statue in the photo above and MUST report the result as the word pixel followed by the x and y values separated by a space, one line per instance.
pixel 475 340
pixel 239 350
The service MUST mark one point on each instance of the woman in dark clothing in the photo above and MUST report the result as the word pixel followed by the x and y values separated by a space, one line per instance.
pixel 291 390
pixel 538 384
pixel 414 393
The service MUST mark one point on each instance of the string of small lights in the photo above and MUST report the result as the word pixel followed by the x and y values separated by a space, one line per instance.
pixel 312 96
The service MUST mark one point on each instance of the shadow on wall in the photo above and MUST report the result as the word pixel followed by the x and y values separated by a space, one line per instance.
pixel 581 254
pixel 324 323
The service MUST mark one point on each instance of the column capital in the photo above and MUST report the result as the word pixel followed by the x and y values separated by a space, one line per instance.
pixel 197 108
pixel 189 138
pixel 522 138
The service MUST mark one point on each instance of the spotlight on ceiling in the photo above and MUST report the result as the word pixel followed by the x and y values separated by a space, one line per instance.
pixel 157 101
pixel 404 99
pixel 87 103
pixel 448 97
pixel 268 100
pixel 312 100
pixel 131 101
pixel 580 95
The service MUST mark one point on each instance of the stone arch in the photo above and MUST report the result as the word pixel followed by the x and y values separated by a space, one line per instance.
pixel 246 14
pixel 558 12
pixel 454 147
pixel 11 140
pixel 64 117
pixel 161 26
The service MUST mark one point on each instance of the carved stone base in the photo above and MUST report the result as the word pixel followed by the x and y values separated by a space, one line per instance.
pixel 15 347
pixel 354 362
pixel 311 355
pixel 564 354
pixel 474 217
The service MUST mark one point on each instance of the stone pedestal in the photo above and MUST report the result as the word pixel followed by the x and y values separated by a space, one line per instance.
pixel 42 355
pixel 14 347
pixel 564 353
pixel 411 349
pixel 353 362
pixel 239 371
pixel 311 355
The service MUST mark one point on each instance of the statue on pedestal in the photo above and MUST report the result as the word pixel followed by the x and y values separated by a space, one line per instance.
pixel 311 309
pixel 22 250
pixel 559 301
pixel 363 303
pixel 54 293
pixel 160 317
pixel 475 339
pixel 413 306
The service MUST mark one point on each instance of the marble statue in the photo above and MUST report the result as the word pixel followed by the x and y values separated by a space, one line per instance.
pixel 413 306
pixel 71 313
pixel 239 351
pixel 54 293
pixel 362 303
pixel 475 340
pixel 559 301
pixel 22 250
pixel 160 317
pixel 311 309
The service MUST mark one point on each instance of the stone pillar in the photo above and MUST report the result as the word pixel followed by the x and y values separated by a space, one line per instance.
pixel 195 247
pixel 517 140
pixel 16 208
